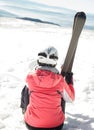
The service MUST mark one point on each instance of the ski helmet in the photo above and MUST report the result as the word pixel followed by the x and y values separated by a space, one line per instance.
pixel 48 57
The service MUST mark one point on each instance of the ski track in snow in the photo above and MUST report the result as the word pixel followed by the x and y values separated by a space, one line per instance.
pixel 23 40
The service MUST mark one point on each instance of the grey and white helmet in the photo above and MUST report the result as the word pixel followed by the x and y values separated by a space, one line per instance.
pixel 48 57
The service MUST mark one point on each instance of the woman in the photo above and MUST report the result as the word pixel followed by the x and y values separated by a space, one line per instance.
pixel 47 88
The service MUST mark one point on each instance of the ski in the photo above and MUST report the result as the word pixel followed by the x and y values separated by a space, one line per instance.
pixel 78 24
pixel 79 21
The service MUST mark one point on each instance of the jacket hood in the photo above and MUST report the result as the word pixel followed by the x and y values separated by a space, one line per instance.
pixel 43 79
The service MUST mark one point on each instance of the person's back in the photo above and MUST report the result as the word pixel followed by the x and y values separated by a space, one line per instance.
pixel 44 109
pixel 47 88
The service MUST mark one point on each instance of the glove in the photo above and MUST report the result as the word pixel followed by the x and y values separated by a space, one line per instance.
pixel 69 77
pixel 63 73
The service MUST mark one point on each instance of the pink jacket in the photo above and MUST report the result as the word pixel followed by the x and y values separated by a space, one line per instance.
pixel 44 109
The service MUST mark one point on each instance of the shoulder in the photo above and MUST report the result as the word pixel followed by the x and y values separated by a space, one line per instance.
pixel 30 75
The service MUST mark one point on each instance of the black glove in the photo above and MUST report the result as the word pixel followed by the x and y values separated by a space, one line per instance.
pixel 63 73
pixel 69 77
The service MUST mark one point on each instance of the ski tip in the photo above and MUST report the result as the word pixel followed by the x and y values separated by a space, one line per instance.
pixel 81 14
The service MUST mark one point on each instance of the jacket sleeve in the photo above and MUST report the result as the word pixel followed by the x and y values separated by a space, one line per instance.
pixel 24 98
pixel 68 92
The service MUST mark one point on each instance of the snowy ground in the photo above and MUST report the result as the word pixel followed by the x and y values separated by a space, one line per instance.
pixel 19 43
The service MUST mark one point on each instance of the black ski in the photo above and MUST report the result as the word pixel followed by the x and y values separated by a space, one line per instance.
pixel 78 24
pixel 79 21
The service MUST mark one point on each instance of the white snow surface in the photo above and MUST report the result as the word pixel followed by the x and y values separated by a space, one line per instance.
pixel 20 41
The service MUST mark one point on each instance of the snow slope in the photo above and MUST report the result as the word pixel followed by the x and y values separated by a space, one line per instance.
pixel 20 42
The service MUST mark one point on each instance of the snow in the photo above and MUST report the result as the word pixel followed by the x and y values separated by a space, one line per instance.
pixel 20 43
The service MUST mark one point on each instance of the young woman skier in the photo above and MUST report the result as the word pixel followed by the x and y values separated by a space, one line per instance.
pixel 47 89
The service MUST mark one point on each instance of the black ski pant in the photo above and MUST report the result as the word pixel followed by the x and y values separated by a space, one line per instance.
pixel 34 128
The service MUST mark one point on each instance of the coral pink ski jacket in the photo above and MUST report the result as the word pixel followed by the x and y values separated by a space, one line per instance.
pixel 44 109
